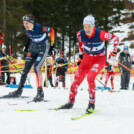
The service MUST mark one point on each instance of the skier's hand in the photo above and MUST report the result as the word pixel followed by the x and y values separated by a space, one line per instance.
pixel 52 50
pixel 80 58
pixel 113 56
pixel 101 78
pixel 25 49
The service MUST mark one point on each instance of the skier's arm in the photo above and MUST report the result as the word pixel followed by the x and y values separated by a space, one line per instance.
pixel 81 48
pixel 111 37
pixel 28 40
pixel 44 29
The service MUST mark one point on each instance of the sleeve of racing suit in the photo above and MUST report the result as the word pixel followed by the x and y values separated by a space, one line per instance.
pixel 44 29
pixel 81 48
pixel 28 40
pixel 108 36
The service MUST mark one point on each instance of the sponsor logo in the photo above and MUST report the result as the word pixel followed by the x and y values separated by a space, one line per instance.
pixel 94 69
pixel 38 59
pixel 29 54
pixel 106 35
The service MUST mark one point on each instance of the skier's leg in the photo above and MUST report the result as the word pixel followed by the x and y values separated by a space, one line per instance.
pixel 112 83
pixel 28 64
pixel 79 77
pixel 8 77
pixel 107 77
pixel 97 64
pixel 37 68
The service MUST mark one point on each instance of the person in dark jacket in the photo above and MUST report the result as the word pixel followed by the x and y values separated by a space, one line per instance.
pixel 38 48
pixel 62 66
pixel 4 66
pixel 125 59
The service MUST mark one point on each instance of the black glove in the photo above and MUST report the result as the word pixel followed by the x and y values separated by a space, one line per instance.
pixel 25 49
pixel 51 50
pixel 79 60
pixel 81 56
pixel 114 54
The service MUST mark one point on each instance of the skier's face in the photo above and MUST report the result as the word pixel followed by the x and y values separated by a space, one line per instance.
pixel 28 25
pixel 88 29
pixel 61 54
pixel 126 51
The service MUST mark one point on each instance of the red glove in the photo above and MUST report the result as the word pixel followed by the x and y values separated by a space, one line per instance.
pixel 101 78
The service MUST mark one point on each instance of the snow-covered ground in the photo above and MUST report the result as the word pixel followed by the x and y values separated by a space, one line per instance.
pixel 116 115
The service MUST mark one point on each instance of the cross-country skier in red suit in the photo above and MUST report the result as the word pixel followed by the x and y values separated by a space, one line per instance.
pixel 91 41
pixel 110 73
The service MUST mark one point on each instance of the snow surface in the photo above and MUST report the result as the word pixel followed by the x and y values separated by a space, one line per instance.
pixel 116 115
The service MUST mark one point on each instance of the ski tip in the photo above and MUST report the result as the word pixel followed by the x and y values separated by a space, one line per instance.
pixel 14 104
pixel 84 115
pixel 29 110
pixel 37 101
pixel 56 109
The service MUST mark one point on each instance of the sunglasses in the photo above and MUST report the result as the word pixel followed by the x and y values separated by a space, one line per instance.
pixel 28 18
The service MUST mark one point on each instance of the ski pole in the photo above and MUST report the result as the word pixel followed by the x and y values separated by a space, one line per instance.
pixel 13 65
pixel 16 67
pixel 104 85
pixel 121 63
pixel 100 82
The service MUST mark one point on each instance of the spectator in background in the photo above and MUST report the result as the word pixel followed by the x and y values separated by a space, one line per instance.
pixel 5 66
pixel 125 59
pixel 61 68
pixel 1 37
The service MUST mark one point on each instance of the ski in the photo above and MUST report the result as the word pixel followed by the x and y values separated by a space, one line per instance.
pixel 29 110
pixel 36 101
pixel 104 88
pixel 8 97
pixel 56 109
pixel 85 115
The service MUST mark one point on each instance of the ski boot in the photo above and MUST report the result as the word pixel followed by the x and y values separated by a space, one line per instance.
pixel 90 108
pixel 17 93
pixel 40 95
pixel 66 106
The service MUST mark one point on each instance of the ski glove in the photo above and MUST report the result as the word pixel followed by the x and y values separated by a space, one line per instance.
pixel 113 56
pixel 79 60
pixel 51 50
pixel 25 49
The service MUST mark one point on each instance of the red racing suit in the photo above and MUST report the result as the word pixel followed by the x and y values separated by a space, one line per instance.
pixel 110 72
pixel 1 38
pixel 93 60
